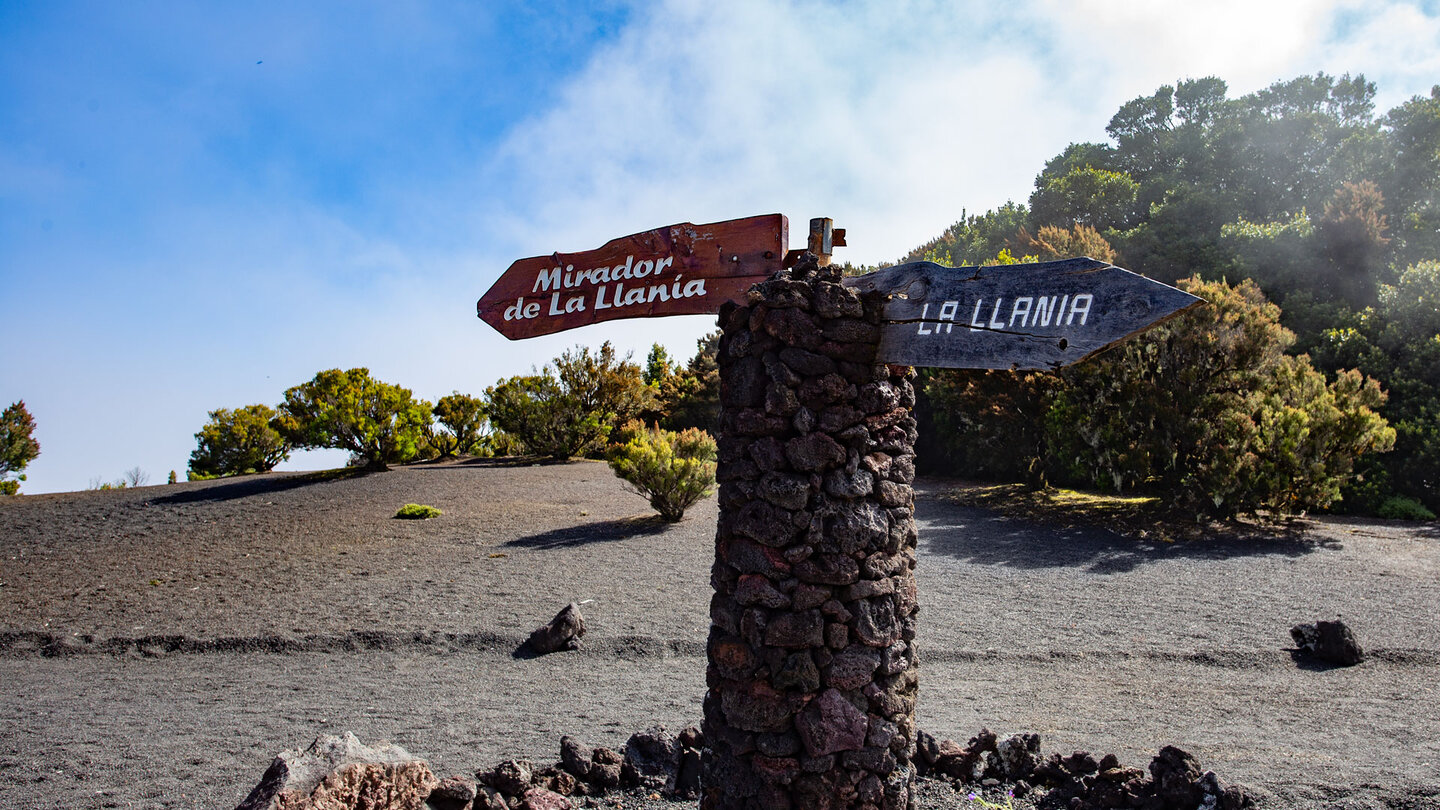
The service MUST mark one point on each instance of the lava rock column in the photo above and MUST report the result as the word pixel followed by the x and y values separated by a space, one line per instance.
pixel 812 673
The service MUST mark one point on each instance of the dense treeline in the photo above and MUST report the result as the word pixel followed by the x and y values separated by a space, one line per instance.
pixel 1303 197
pixel 1310 225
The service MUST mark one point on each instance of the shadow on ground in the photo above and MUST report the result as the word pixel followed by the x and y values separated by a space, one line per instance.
pixel 246 486
pixel 986 536
pixel 488 462
pixel 607 531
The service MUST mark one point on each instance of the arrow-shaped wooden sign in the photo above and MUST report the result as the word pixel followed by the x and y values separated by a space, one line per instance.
pixel 1019 316
pixel 682 269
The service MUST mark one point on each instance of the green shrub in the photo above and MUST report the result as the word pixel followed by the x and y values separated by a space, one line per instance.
pixel 380 423
pixel 1399 507
pixel 238 442
pixel 673 470
pixel 416 511
pixel 463 419
pixel 570 407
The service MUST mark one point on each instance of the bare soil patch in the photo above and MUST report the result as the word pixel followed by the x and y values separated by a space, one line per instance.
pixel 159 645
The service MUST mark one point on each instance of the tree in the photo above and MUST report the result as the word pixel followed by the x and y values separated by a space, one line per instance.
pixel 349 410
pixel 974 238
pixel 1411 134
pixel 1352 238
pixel 604 383
pixel 17 446
pixel 1398 341
pixel 690 398
pixel 1099 198
pixel 463 418
pixel 1053 243
pixel 238 442
pixel 1299 187
pixel 543 418
pixel 657 365
pixel 571 406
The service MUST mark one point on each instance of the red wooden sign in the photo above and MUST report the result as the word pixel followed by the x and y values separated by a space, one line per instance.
pixel 682 269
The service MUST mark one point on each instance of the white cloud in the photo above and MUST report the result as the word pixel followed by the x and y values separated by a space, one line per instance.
pixel 886 121
pixel 890 117
pixel 1395 44
pixel 1140 45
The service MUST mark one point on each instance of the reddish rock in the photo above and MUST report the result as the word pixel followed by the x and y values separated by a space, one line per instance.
pixel 756 706
pixel 776 770
pixel 294 777
pixel 831 724
pixel 363 786
pixel 538 798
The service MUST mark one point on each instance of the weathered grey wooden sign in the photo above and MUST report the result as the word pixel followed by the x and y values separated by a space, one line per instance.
pixel 1019 316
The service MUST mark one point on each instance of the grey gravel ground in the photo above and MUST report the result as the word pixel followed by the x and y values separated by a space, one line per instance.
pixel 158 646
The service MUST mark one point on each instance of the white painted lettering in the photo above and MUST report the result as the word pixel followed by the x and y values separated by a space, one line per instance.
pixel 975 324
pixel 547 279
pixel 623 270
pixel 924 327
pixel 661 264
pixel 947 313
pixel 644 267
pixel 1076 308
pixel 658 291
pixel 575 303
pixel 995 322
pixel 1044 308
pixel 600 299
pixel 694 287
pixel 1021 312
pixel 635 296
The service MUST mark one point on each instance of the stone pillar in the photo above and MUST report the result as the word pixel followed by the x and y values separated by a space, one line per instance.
pixel 812 674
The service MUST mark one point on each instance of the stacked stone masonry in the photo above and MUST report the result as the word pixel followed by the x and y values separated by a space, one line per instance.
pixel 812 671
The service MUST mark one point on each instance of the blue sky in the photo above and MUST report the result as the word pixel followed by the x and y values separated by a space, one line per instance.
pixel 204 204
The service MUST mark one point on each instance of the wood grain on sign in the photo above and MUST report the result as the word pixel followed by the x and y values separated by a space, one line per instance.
pixel 1020 316
pixel 682 269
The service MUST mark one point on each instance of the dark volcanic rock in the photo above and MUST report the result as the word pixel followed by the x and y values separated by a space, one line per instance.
pixel 455 793
pixel 653 755
pixel 1332 642
pixel 511 777
pixel 562 633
